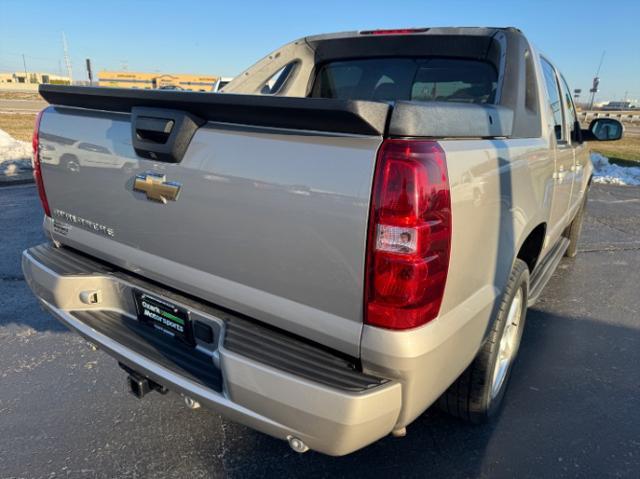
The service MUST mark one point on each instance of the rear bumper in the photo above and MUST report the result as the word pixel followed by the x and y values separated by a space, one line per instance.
pixel 333 415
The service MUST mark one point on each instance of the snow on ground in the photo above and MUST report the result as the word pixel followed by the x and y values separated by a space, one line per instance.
pixel 15 156
pixel 606 172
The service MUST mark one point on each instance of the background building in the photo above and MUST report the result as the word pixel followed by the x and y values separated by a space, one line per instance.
pixel 34 78
pixel 148 81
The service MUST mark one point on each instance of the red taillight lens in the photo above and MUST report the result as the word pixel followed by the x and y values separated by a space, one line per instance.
pixel 409 235
pixel 37 170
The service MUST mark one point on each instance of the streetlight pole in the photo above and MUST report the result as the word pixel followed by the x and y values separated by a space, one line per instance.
pixel 596 82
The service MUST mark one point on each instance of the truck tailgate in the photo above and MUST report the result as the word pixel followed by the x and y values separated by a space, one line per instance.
pixel 269 222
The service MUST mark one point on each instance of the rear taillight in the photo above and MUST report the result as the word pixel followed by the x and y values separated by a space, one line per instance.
pixel 37 169
pixel 409 235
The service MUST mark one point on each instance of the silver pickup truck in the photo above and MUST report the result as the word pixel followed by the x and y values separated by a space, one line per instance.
pixel 349 234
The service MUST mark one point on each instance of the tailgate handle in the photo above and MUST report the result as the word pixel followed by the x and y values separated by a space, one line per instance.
pixel 155 130
pixel 162 134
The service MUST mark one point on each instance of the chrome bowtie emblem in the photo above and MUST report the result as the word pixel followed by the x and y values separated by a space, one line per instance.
pixel 156 187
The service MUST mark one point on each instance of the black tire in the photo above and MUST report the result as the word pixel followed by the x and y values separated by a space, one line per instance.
pixel 70 162
pixel 575 228
pixel 470 396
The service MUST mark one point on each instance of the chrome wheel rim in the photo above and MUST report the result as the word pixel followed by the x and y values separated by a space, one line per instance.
pixel 73 166
pixel 508 346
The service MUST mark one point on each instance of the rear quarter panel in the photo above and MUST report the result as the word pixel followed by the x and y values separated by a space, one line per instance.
pixel 500 191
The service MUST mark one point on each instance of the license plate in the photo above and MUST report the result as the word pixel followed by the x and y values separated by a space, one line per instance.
pixel 165 316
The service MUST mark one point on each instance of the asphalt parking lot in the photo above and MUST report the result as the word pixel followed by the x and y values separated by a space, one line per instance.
pixel 573 408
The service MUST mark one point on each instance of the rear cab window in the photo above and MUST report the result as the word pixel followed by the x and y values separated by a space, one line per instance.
pixel 411 79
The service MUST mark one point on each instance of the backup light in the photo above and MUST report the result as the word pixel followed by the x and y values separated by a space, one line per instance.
pixel 409 235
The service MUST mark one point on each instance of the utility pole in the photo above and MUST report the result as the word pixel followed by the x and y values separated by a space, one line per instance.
pixel 89 72
pixel 596 82
pixel 26 74
pixel 67 60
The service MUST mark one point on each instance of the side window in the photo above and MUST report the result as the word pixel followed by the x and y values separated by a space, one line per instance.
pixel 274 84
pixel 570 108
pixel 553 95
pixel 530 97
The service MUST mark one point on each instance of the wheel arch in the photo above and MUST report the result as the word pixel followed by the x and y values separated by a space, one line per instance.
pixel 532 245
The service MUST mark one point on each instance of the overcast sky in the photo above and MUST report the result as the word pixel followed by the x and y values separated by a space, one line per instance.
pixel 224 37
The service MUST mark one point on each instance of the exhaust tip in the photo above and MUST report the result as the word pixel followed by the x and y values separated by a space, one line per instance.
pixel 191 403
pixel 297 444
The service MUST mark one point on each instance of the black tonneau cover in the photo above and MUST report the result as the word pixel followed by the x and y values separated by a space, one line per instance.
pixel 319 114
pixel 399 119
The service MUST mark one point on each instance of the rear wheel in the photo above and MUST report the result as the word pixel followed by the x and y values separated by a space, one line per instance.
pixel 71 163
pixel 477 394
pixel 575 228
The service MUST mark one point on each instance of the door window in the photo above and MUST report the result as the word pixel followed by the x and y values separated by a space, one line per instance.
pixel 572 116
pixel 553 96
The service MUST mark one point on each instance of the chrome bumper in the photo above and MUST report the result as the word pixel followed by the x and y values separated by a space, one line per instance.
pixel 328 419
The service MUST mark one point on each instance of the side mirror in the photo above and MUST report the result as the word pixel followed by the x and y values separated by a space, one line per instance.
pixel 603 129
